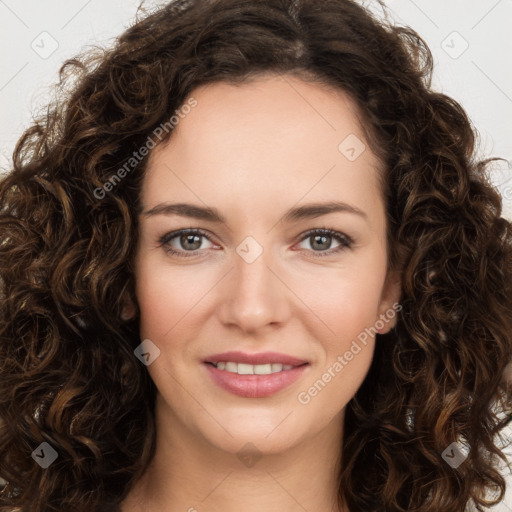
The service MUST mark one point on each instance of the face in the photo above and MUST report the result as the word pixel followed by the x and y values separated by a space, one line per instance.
pixel 262 281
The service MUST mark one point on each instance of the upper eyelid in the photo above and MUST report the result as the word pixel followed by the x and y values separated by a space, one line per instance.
pixel 193 231
pixel 165 239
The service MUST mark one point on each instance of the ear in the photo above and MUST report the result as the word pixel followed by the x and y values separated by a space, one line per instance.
pixel 129 310
pixel 507 376
pixel 389 302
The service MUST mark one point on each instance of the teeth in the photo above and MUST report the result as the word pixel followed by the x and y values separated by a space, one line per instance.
pixel 245 369
pixel 232 367
pixel 262 369
pixel 253 369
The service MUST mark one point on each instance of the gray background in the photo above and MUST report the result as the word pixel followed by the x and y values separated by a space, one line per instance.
pixel 471 41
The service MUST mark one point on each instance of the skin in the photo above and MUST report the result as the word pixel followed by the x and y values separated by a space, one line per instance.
pixel 253 152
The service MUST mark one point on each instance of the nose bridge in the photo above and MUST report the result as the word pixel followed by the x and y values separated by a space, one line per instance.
pixel 254 297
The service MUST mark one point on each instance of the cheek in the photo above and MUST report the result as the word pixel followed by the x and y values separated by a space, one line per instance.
pixel 166 297
pixel 345 301
pixel 348 347
pixel 346 310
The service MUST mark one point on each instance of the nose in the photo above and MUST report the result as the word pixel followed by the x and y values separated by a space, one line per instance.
pixel 253 295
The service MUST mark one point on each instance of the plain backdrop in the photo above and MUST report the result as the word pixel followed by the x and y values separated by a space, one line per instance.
pixel 471 41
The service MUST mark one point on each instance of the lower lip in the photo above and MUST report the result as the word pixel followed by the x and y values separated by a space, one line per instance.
pixel 255 386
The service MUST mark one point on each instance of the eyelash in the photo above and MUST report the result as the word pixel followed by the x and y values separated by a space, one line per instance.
pixel 345 241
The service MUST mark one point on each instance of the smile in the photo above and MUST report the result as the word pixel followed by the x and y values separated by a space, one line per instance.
pixel 252 369
pixel 254 375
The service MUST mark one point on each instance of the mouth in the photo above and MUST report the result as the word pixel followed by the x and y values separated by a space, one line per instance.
pixel 254 375
pixel 252 369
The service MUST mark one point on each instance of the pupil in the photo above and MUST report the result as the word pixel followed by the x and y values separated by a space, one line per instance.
pixel 190 238
pixel 324 239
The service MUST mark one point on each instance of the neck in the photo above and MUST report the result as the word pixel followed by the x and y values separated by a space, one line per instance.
pixel 187 473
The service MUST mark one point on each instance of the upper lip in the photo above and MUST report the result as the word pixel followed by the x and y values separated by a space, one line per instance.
pixel 260 358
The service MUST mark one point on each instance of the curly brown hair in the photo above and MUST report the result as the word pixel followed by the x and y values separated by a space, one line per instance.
pixel 69 376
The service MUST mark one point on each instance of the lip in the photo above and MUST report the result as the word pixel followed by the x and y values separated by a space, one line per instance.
pixel 260 358
pixel 255 386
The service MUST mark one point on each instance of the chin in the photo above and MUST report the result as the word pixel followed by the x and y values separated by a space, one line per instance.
pixel 270 433
pixel 255 442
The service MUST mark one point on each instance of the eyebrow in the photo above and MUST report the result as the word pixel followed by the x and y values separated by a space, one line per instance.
pixel 308 211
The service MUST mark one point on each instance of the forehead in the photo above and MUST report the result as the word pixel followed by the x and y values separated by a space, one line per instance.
pixel 272 136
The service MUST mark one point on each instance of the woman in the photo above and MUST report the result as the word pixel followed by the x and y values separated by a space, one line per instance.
pixel 334 338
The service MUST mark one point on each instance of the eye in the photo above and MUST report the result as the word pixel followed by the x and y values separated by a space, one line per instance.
pixel 321 240
pixel 187 240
